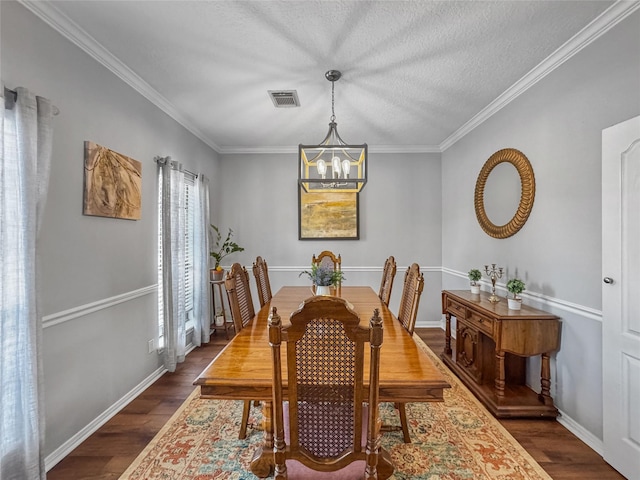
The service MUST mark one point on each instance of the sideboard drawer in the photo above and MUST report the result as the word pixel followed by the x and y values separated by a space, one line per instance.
pixel 456 309
pixel 479 321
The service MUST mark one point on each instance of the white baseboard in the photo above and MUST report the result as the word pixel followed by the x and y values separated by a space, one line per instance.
pixel 430 324
pixel 67 447
pixel 563 419
pixel 579 431
pixel 57 455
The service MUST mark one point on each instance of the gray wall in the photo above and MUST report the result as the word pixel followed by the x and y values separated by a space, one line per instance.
pixel 399 215
pixel 557 124
pixel 99 274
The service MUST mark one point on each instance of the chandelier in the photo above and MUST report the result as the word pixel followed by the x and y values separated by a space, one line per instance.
pixel 332 165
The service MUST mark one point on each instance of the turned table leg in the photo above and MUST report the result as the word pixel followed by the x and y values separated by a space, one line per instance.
pixel 262 463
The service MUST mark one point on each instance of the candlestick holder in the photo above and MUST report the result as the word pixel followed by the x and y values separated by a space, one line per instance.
pixel 494 274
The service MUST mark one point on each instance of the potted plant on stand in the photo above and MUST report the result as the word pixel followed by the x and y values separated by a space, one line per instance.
pixel 221 249
pixel 474 276
pixel 515 286
pixel 323 278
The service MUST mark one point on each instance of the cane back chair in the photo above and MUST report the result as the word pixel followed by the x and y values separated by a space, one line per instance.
pixel 411 291
pixel 239 295
pixel 388 275
pixel 407 314
pixel 261 274
pixel 327 259
pixel 322 428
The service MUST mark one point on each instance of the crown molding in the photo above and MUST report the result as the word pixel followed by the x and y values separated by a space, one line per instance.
pixel 70 30
pixel 257 150
pixel 405 149
pixel 74 33
pixel 600 25
pixel 289 150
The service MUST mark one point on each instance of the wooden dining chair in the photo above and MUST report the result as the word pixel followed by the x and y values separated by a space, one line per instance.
pixel 239 295
pixel 388 275
pixel 330 260
pixel 261 274
pixel 407 314
pixel 327 259
pixel 325 426
pixel 411 291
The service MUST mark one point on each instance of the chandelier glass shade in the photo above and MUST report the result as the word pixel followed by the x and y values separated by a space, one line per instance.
pixel 332 165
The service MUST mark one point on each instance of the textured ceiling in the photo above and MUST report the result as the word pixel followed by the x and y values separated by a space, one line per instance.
pixel 414 72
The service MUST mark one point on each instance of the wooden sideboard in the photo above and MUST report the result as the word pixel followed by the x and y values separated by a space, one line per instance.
pixel 491 346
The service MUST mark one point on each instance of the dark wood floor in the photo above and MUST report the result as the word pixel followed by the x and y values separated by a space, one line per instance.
pixel 109 451
pixel 562 455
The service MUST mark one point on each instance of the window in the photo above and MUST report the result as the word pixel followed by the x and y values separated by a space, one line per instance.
pixel 189 207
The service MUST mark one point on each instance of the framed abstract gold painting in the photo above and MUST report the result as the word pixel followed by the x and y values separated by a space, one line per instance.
pixel 328 216
pixel 112 183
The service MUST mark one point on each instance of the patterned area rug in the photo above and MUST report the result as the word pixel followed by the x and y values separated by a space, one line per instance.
pixel 454 440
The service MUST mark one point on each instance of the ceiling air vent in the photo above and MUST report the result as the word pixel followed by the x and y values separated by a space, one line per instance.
pixel 284 98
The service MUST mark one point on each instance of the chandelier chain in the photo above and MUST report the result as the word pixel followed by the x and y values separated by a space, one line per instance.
pixel 330 165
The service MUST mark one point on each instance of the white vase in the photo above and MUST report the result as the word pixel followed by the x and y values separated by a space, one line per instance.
pixel 514 303
pixel 475 289
pixel 323 290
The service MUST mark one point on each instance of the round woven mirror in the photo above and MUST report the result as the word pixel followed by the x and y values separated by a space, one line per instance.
pixel 527 193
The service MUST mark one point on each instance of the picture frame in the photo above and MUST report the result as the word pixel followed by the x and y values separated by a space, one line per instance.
pixel 328 215
pixel 112 183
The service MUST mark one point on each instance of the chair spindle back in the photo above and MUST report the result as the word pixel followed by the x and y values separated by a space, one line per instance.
pixel 239 295
pixel 261 274
pixel 411 291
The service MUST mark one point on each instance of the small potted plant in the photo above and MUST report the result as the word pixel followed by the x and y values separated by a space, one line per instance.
pixel 515 286
pixel 220 249
pixel 323 278
pixel 474 276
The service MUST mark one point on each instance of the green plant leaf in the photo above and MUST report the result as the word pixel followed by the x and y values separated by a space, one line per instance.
pixel 220 250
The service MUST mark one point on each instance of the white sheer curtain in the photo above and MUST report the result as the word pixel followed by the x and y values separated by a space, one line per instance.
pixel 24 176
pixel 172 218
pixel 201 287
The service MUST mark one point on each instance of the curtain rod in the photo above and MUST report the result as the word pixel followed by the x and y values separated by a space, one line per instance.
pixel 159 159
pixel 13 97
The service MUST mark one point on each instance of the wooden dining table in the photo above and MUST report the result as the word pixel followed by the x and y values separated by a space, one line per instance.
pixel 243 369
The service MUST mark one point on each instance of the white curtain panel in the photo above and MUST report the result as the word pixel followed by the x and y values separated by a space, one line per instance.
pixel 173 254
pixel 201 287
pixel 24 176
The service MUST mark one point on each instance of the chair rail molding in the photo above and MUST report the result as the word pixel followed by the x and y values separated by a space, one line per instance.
pixel 353 268
pixel 540 298
pixel 82 310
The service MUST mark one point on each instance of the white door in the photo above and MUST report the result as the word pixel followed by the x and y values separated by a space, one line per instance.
pixel 621 296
